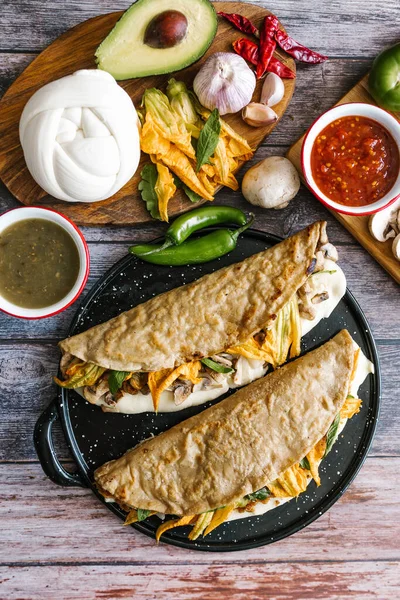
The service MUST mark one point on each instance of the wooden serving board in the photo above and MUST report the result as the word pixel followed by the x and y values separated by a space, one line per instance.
pixel 75 50
pixel 358 226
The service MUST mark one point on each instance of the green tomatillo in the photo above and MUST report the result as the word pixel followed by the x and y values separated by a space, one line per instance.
pixel 384 79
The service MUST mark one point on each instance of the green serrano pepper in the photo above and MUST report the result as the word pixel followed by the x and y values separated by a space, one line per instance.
pixel 193 252
pixel 197 219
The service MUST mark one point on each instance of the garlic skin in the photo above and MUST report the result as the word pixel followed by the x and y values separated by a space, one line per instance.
pixel 273 90
pixel 258 115
pixel 225 82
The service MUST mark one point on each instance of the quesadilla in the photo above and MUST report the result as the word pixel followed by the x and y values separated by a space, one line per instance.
pixel 193 343
pixel 261 445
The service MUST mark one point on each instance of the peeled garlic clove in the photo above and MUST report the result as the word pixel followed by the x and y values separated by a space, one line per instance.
pixel 273 90
pixel 258 115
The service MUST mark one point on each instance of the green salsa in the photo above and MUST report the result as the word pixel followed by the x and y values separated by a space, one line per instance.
pixel 39 263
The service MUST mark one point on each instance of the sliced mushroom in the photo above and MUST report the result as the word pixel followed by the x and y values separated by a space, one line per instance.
pixel 306 309
pixel 95 393
pixel 380 224
pixel 396 223
pixel 206 381
pixel 396 247
pixel 329 251
pixel 109 399
pixel 218 377
pixel 318 298
pixel 221 360
pixel 128 388
pixel 138 380
pixel 182 390
pixel 311 266
pixel 323 238
pixel 319 265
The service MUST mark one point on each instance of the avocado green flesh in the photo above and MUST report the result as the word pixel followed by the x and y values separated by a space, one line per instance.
pixel 124 54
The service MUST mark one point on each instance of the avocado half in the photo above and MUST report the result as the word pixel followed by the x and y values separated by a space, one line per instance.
pixel 124 54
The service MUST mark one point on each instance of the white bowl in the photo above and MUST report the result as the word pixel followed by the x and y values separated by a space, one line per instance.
pixel 32 212
pixel 358 109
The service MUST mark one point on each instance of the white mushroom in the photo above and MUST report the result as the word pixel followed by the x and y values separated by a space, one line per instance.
pixel 380 227
pixel 383 224
pixel 396 247
pixel 271 183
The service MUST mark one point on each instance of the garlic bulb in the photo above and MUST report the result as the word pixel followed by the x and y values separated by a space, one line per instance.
pixel 258 115
pixel 273 90
pixel 224 82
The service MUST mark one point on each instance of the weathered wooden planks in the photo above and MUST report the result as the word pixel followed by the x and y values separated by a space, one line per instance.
pixel 74 548
pixel 347 29
pixel 31 505
pixel 330 581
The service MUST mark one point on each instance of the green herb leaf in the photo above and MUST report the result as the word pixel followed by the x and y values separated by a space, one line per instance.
pixel 332 434
pixel 259 495
pixel 326 271
pixel 146 186
pixel 208 139
pixel 193 197
pixel 305 464
pixel 115 380
pixel 212 364
pixel 142 514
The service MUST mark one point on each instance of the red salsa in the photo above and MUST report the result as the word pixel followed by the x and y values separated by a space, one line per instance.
pixel 355 161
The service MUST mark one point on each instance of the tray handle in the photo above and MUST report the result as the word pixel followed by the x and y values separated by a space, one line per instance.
pixel 44 446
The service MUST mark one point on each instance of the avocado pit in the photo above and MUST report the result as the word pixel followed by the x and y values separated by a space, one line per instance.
pixel 166 30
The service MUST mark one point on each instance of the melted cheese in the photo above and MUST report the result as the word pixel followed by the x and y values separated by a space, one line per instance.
pixel 334 284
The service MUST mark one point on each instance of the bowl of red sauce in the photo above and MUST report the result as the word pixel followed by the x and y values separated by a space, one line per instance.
pixel 350 158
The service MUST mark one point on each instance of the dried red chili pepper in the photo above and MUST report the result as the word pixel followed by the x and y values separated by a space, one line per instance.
pixel 277 67
pixel 267 44
pixel 248 50
pixel 293 48
pixel 240 22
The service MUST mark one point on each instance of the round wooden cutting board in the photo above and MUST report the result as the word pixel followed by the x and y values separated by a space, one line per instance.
pixel 75 50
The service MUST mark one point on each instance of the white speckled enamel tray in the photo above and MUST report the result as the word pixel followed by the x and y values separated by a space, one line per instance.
pixel 96 437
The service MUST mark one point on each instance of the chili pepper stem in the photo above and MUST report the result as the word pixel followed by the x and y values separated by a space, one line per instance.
pixel 166 244
pixel 235 234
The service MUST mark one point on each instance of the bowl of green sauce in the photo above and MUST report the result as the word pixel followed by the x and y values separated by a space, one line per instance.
pixel 44 262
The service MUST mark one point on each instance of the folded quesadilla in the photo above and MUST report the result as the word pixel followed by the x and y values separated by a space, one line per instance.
pixel 262 445
pixel 193 343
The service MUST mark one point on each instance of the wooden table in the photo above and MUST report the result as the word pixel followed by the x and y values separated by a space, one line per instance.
pixel 62 543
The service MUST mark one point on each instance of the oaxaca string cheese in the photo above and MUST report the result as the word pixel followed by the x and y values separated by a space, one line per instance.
pixel 80 137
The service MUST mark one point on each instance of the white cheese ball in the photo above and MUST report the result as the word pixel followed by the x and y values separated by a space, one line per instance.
pixel 271 183
pixel 80 137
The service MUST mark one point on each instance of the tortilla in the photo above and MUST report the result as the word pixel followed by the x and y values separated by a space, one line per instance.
pixel 203 318
pixel 240 445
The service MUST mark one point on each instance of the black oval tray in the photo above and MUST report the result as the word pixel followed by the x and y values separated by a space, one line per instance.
pixel 95 437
